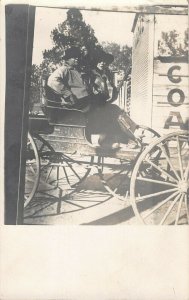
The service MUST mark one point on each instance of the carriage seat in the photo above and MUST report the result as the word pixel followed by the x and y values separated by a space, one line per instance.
pixel 58 115
pixel 39 124
pixel 55 113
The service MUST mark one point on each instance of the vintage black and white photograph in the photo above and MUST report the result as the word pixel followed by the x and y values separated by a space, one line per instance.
pixel 95 132
pixel 104 137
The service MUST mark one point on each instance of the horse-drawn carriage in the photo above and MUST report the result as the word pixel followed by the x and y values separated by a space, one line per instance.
pixel 60 156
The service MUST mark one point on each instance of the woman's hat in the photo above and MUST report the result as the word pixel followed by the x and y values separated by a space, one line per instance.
pixel 105 57
pixel 109 58
pixel 73 52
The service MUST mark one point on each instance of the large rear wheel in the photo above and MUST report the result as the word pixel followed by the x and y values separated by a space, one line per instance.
pixel 160 181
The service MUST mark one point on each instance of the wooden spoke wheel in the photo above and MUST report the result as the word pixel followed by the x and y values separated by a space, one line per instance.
pixel 32 170
pixel 115 173
pixel 43 146
pixel 64 173
pixel 160 181
pixel 58 170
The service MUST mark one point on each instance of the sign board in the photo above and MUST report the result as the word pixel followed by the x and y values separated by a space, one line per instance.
pixel 170 96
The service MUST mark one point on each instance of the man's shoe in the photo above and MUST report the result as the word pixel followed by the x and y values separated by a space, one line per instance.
pixel 110 146
pixel 139 133
pixel 130 145
pixel 115 146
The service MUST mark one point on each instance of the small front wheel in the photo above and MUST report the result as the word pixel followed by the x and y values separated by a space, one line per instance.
pixel 32 170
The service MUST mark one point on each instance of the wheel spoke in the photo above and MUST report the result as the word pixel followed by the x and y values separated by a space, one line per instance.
pixel 113 173
pixel 30 179
pixel 170 163
pixel 186 172
pixel 102 164
pixel 161 170
pixel 156 194
pixel 169 209
pixel 156 181
pixel 117 187
pixel 56 180
pixel 74 171
pixel 57 177
pixel 180 159
pixel 41 148
pixel 179 209
pixel 127 194
pixel 49 173
pixel 74 204
pixel 159 205
pixel 32 169
pixel 186 206
pixel 64 169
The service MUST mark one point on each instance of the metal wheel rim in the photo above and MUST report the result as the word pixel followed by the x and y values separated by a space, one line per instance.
pixel 136 169
pixel 37 175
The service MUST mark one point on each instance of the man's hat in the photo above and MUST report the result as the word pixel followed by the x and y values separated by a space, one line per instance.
pixel 72 52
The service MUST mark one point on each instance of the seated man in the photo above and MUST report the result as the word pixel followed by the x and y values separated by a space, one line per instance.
pixel 66 86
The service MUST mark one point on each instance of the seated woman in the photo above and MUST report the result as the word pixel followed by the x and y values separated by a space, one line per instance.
pixel 108 124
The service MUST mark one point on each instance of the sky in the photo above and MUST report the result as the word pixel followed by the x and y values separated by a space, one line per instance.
pixel 108 26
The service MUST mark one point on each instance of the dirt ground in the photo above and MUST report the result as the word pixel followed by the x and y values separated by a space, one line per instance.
pixel 89 204
pixel 62 202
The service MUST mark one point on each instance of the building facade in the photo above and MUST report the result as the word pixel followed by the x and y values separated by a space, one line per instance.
pixel 159 86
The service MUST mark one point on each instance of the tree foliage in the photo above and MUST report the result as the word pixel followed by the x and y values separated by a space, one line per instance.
pixel 171 43
pixel 35 86
pixel 72 32
pixel 122 55
pixel 75 32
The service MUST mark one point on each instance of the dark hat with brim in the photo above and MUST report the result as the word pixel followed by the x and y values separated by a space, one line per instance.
pixel 109 58
pixel 103 56
pixel 73 52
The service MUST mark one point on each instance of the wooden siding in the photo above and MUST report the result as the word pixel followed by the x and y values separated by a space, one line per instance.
pixel 170 99
pixel 142 72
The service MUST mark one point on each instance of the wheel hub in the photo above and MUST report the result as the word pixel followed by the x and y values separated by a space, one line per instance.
pixel 183 187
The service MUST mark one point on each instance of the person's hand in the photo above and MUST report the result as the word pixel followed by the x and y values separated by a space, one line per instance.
pixel 70 101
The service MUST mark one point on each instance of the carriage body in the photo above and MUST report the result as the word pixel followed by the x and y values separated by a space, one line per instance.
pixel 66 130
pixel 160 164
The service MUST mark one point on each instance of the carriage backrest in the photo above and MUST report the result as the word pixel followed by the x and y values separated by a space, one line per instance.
pixel 56 114
pixel 64 116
